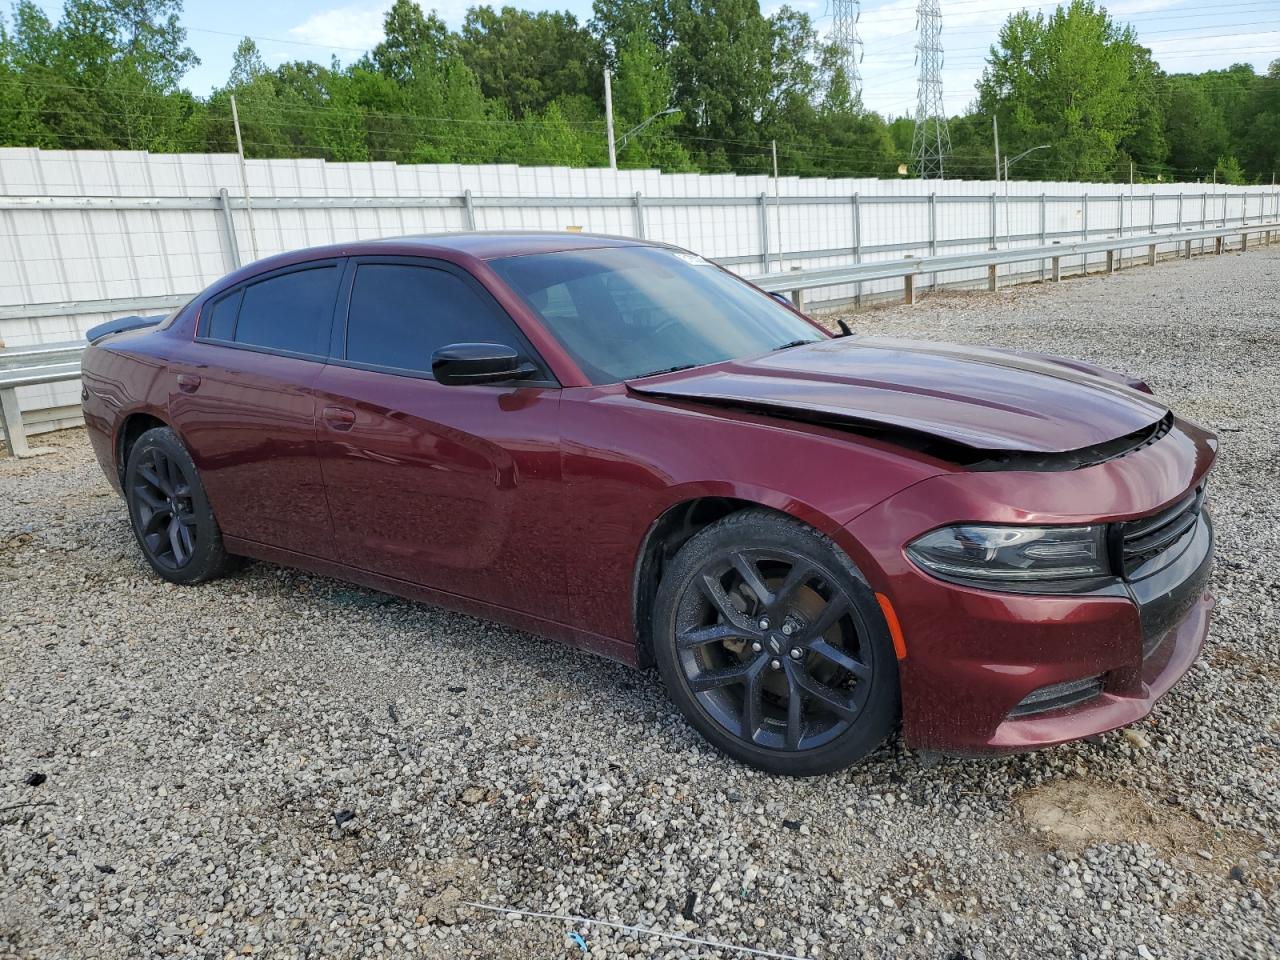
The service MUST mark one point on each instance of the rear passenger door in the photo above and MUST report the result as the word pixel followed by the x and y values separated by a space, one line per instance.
pixel 450 487
pixel 247 407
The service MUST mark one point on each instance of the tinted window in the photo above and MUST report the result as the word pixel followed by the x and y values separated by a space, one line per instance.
pixel 290 312
pixel 402 314
pixel 221 324
pixel 625 312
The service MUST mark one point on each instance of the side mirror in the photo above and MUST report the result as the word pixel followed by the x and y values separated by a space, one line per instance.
pixel 461 363
pixel 782 298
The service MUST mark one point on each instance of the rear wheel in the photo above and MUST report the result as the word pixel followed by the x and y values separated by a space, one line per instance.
pixel 774 647
pixel 171 517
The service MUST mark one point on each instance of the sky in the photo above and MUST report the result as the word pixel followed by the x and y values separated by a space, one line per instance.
pixel 1184 35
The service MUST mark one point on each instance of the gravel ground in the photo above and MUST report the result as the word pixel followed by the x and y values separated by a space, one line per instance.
pixel 284 765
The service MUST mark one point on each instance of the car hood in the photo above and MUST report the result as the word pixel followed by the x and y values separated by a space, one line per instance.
pixel 985 399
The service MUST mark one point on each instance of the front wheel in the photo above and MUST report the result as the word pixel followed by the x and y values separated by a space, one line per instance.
pixel 169 511
pixel 773 646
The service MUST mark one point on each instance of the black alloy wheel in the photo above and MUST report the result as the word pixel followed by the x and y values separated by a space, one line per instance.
pixel 169 511
pixel 774 646
pixel 167 521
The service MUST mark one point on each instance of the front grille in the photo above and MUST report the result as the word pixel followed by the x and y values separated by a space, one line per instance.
pixel 1148 537
pixel 1058 696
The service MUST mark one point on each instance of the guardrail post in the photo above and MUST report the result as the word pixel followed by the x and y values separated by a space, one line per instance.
pixel 1057 267
pixel 1244 242
pixel 15 434
pixel 1217 245
pixel 764 231
pixel 797 295
pixel 229 228
pixel 1111 262
pixel 993 278
pixel 469 209
pixel 637 206
pixel 1151 255
pixel 857 247
pixel 909 289
pixel 1187 251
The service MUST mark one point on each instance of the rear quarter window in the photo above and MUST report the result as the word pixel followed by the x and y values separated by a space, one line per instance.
pixel 290 312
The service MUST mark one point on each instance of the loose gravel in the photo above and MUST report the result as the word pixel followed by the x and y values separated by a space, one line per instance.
pixel 285 765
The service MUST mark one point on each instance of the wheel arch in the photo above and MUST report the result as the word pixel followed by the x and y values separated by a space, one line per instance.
pixel 697 509
pixel 133 426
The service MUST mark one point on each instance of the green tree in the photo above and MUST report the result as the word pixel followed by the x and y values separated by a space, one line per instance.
pixel 1075 80
pixel 527 60
pixel 643 89
pixel 411 39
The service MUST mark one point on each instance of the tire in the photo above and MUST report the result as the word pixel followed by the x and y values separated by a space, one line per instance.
pixel 161 482
pixel 815 687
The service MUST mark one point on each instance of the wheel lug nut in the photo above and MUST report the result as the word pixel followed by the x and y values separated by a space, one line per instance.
pixel 776 664
pixel 756 647
pixel 796 653
pixel 788 629
pixel 764 623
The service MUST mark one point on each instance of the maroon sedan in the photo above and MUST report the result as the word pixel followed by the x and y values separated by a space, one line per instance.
pixel 621 446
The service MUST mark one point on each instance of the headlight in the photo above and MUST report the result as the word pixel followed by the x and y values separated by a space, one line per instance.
pixel 990 554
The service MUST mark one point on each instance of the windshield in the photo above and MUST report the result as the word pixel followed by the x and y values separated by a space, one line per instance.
pixel 626 312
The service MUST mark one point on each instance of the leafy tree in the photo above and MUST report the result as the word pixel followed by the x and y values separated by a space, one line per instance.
pixel 1227 170
pixel 525 87
pixel 1074 80
pixel 412 39
pixel 527 60
pixel 642 89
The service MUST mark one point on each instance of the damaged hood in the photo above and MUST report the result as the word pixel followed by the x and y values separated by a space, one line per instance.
pixel 985 399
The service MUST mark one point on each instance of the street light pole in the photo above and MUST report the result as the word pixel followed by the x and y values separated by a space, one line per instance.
pixel 622 141
pixel 608 118
pixel 1009 162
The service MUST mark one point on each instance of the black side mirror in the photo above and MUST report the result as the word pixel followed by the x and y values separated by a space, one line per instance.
pixel 461 363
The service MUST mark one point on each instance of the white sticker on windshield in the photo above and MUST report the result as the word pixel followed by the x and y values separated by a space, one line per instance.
pixel 693 259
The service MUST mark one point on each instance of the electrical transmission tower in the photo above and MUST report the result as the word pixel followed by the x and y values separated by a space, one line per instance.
pixel 931 142
pixel 844 33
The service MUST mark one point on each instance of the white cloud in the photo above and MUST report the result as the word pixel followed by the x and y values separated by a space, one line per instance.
pixel 351 28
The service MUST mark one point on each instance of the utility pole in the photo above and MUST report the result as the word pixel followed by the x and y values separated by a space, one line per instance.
pixel 995 133
pixel 844 33
pixel 244 179
pixel 931 142
pixel 608 118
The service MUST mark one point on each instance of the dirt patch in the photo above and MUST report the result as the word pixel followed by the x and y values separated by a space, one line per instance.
pixel 1078 813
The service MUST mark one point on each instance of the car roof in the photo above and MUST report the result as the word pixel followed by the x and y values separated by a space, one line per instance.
pixel 492 244
pixel 458 247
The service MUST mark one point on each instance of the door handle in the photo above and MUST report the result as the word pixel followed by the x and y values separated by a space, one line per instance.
pixel 338 418
pixel 188 382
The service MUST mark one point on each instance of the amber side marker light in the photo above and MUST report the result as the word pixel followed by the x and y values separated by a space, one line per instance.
pixel 895 628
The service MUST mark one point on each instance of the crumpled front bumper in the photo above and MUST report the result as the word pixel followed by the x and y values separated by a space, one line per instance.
pixel 975 656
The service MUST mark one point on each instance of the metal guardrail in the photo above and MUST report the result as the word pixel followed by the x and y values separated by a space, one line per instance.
pixel 26 367
pixel 908 268
pixel 56 362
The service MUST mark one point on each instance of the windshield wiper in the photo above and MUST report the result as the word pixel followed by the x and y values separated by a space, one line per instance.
pixel 794 343
pixel 654 373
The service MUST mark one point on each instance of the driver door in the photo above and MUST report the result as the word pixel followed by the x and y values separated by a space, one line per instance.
pixel 450 487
